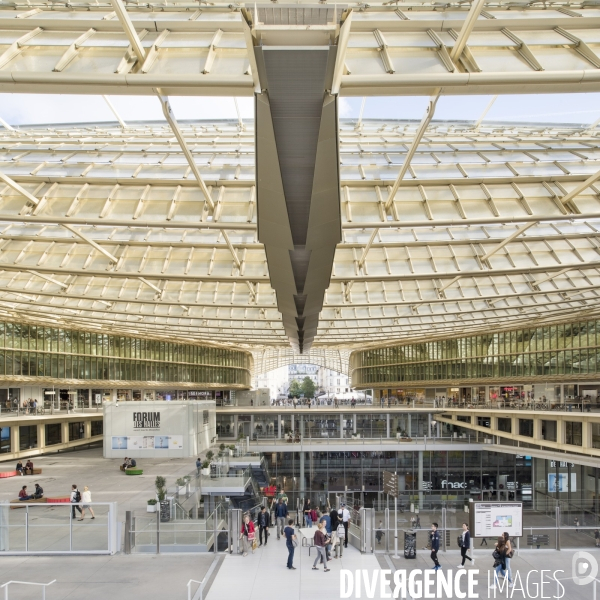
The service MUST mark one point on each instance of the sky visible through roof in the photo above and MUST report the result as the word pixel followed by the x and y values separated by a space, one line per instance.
pixel 27 109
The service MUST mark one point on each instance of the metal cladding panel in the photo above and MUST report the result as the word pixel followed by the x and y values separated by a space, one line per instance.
pixel 296 80
pixel 296 15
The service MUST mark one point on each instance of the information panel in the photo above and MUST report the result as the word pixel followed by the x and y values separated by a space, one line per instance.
pixel 492 519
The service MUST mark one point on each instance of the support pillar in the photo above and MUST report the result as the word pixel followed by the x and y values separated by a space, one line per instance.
pixel 354 423
pixel 302 486
pixel 387 426
pixel 235 426
pixel 420 482
pixel 278 427
pixel 87 429
pixel 64 432
pixel 15 439
pixel 90 397
pixel 341 426
pixel 41 436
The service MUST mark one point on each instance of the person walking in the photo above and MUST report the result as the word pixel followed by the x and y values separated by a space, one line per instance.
pixel 307 511
pixel 336 524
pixel 465 545
pixel 75 500
pixel 435 546
pixel 263 525
pixel 290 542
pixel 247 535
pixel 500 562
pixel 345 518
pixel 510 551
pixel 597 537
pixel 86 498
pixel 576 524
pixel 321 541
pixel 326 520
pixel 198 466
pixel 281 512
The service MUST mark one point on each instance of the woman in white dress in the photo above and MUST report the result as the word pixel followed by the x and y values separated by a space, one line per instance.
pixel 86 500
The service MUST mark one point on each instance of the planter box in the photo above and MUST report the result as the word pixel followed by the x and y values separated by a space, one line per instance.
pixel 151 508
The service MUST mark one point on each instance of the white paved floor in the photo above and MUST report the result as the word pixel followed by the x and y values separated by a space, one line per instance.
pixel 264 574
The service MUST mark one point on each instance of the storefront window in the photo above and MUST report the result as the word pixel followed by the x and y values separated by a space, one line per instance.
pixel 53 434
pixel 4 439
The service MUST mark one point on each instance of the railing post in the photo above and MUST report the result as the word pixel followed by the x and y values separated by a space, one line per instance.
pixel 444 529
pixel 387 530
pixel 158 531
pixel 557 516
pixel 26 528
pixel 127 548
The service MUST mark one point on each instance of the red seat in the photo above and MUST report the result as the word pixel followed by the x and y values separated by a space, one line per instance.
pixel 8 474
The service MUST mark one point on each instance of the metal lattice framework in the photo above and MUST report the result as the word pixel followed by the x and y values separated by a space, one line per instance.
pixel 269 359
pixel 447 228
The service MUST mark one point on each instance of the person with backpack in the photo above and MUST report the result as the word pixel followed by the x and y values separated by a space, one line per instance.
pixel 336 528
pixel 465 544
pixel 75 500
pixel 435 546
pixel 499 555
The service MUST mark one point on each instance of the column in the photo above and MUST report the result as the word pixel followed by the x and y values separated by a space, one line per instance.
pixel 90 398
pixel 235 426
pixel 514 426
pixel 293 428
pixel 64 432
pixel 15 439
pixel 420 482
pixel 87 429
pixel 387 426
pixel 251 427
pixel 341 426
pixel 537 428
pixel 278 427
pixel 586 436
pixel 408 425
pixel 560 432
pixel 41 436
pixel 354 423
pixel 302 486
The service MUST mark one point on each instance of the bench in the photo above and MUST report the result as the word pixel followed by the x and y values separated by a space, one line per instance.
pixel 22 504
pixel 4 474
pixel 34 471
pixel 134 472
pixel 122 468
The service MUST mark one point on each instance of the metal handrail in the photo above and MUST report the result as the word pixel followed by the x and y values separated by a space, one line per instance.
pixel 44 586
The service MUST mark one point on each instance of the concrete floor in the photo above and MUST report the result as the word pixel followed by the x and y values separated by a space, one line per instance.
pixel 101 475
pixel 105 577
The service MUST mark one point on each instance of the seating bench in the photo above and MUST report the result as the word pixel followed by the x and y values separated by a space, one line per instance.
pixel 134 471
pixel 4 474
pixel 25 502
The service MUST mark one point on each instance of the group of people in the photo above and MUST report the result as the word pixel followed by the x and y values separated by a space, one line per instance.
pixel 503 552
pixel 37 494
pixel 308 402
pixel 80 501
pixel 129 463
pixel 331 534
pixel 24 470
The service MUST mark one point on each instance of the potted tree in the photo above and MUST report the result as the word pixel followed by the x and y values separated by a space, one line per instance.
pixel 205 468
pixel 180 485
pixel 151 506
pixel 160 483
pixel 222 449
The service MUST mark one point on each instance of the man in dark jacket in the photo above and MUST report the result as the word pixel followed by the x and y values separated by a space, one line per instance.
pixel 435 546
pixel 281 513
pixel 263 525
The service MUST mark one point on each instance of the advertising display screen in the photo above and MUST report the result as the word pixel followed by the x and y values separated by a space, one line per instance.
pixel 492 519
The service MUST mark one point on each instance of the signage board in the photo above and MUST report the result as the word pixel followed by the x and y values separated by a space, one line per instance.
pixel 492 519
pixel 390 483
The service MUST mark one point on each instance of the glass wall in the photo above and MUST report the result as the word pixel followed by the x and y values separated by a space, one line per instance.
pixel 38 351
pixel 565 349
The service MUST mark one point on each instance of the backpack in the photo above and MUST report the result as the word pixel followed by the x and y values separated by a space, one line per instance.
pixel 77 496
pixel 459 541
pixel 313 515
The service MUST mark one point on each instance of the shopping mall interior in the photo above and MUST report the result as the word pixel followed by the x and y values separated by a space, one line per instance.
pixel 256 254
